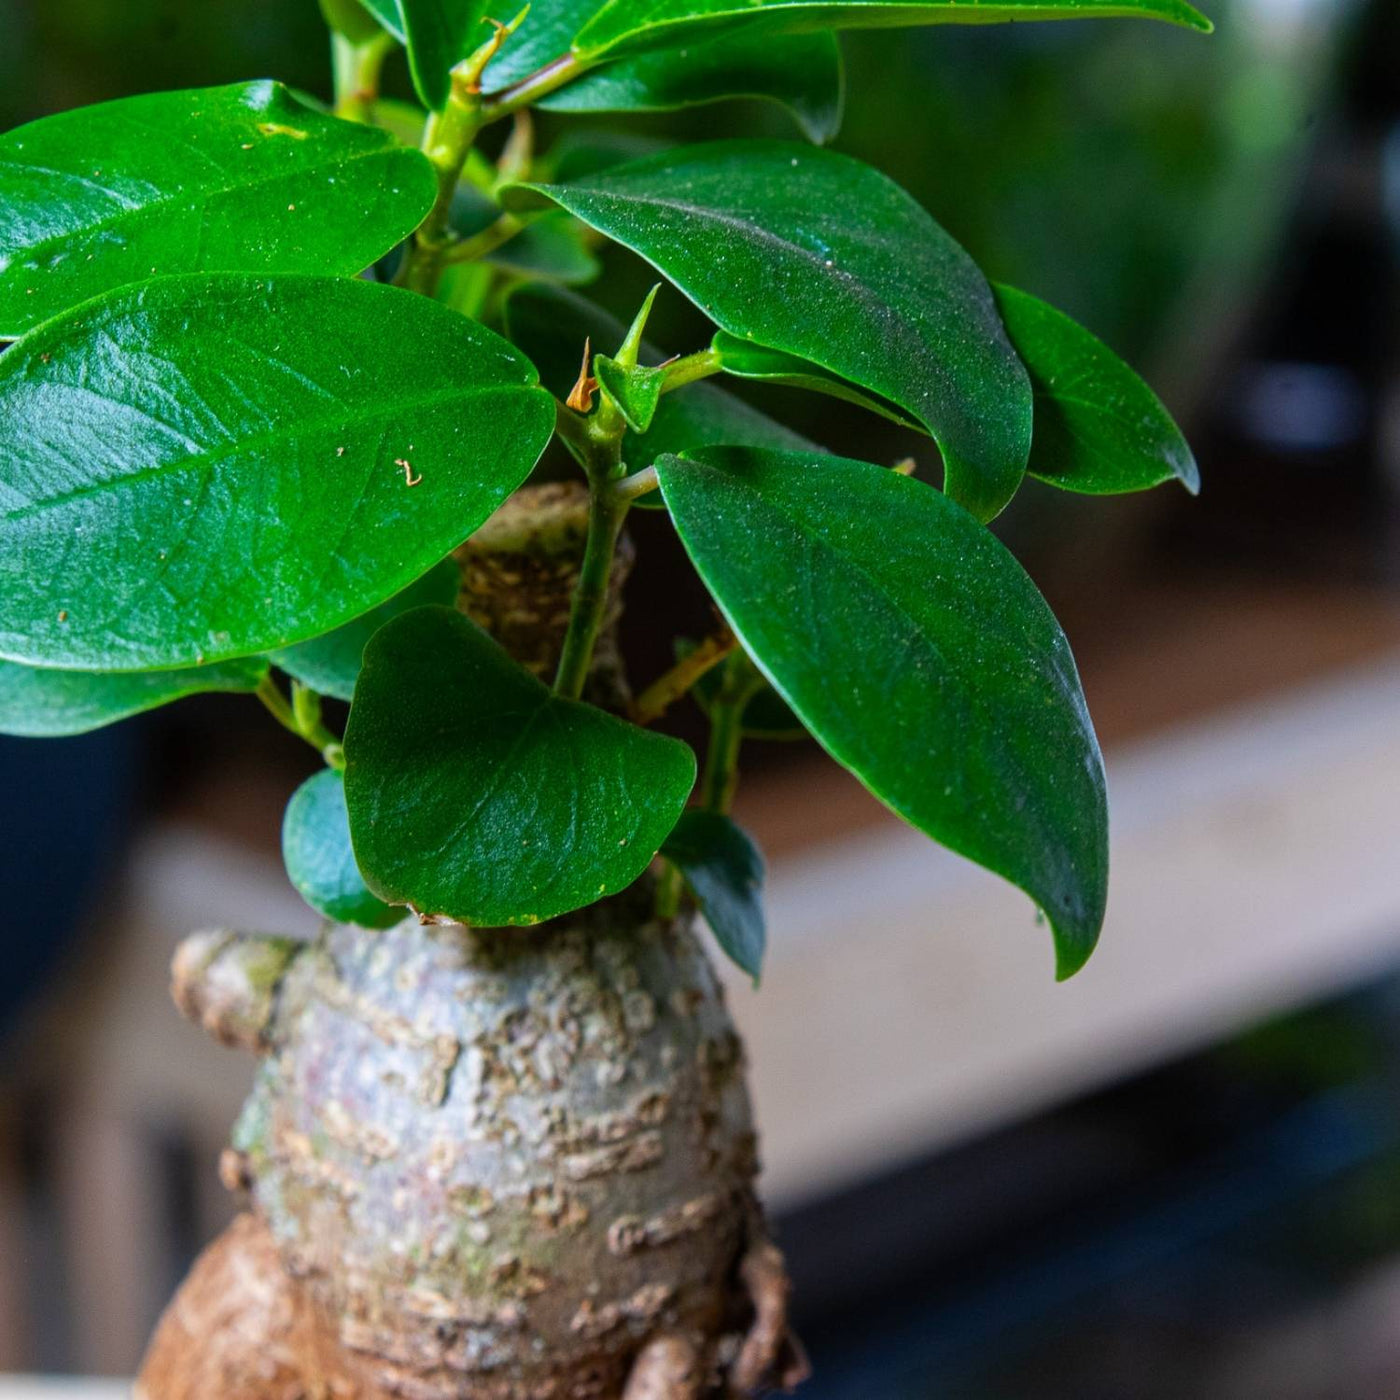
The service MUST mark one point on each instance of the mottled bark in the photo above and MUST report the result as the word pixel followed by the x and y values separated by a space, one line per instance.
pixel 511 1165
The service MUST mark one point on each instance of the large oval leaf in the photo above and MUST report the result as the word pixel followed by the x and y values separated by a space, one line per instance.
pixel 39 703
pixel 629 26
pixel 914 647
pixel 478 795
pixel 330 665
pixel 1098 428
pixel 206 467
pixel 320 861
pixel 551 325
pixel 819 255
pixel 801 72
pixel 228 179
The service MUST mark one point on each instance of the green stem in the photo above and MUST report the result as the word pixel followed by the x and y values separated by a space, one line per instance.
pixel 722 757
pixel 479 245
pixel 447 143
pixel 357 67
pixel 663 692
pixel 532 87
pixel 629 488
pixel 605 517
pixel 302 717
pixel 721 778
pixel 688 368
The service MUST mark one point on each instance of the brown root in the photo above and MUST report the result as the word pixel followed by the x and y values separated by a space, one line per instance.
pixel 239 1329
pixel 668 1368
pixel 771 1354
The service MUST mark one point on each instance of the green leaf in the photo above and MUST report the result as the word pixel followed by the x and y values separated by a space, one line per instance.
pixel 330 665
pixel 745 360
pixel 724 870
pixel 628 26
pixel 801 72
pixel 550 325
pixel 636 391
pixel 39 703
pixel 916 650
pixel 1098 428
pixel 478 795
pixel 437 34
pixel 211 466
pixel 822 257
pixel 230 179
pixel 319 859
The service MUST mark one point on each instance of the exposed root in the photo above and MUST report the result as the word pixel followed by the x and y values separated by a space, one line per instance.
pixel 771 1354
pixel 667 1369
pixel 239 1329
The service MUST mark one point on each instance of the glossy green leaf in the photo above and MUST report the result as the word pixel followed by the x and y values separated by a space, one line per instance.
pixel 478 795
pixel 231 179
pixel 636 391
pixel 437 34
pixel 39 703
pixel 822 257
pixel 801 72
pixel 724 870
pixel 319 859
pixel 916 650
pixel 745 360
pixel 629 26
pixel 210 466
pixel 550 325
pixel 1098 428
pixel 330 665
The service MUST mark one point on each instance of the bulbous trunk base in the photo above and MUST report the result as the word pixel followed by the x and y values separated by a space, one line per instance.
pixel 511 1165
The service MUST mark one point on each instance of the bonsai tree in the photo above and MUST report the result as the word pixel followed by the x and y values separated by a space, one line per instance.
pixel 280 375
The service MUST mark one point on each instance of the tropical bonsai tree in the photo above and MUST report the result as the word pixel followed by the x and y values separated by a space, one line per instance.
pixel 279 379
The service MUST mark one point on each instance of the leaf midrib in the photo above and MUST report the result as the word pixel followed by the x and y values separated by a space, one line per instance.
pixel 135 211
pixel 210 461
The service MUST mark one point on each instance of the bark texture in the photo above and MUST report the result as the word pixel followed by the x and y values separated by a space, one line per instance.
pixel 512 1165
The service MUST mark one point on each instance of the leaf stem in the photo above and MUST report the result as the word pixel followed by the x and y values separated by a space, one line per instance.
pixel 721 777
pixel 688 368
pixel 663 692
pixel 529 89
pixel 605 517
pixel 357 67
pixel 447 144
pixel 302 717
pixel 479 245
pixel 629 488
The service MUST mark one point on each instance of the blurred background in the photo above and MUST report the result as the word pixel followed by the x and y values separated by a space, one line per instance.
pixel 1177 1175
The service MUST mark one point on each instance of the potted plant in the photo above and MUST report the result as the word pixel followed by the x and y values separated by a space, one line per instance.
pixel 500 1143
